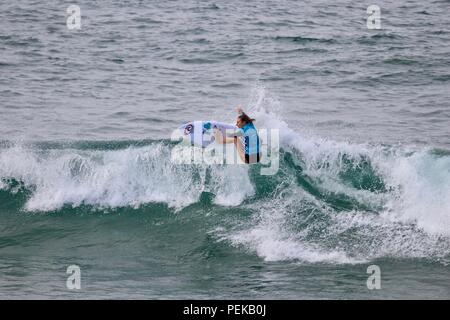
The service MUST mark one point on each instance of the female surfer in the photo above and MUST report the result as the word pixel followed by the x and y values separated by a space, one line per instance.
pixel 245 138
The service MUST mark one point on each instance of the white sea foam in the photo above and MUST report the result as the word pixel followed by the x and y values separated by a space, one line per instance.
pixel 408 217
pixel 419 181
pixel 412 217
pixel 271 236
pixel 115 178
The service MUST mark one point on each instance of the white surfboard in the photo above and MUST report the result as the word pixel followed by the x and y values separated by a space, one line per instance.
pixel 201 133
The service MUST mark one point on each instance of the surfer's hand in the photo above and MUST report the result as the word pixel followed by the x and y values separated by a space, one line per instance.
pixel 218 136
pixel 239 110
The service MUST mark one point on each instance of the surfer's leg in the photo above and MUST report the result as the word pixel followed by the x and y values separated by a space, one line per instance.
pixel 240 149
pixel 252 158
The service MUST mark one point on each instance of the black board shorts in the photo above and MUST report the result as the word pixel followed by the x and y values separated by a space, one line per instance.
pixel 247 158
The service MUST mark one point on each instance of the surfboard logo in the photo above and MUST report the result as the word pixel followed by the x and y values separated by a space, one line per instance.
pixel 188 129
pixel 206 127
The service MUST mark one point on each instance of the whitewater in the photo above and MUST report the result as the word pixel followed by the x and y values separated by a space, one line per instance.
pixel 333 202
pixel 88 170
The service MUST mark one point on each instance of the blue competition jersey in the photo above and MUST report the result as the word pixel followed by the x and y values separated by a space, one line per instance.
pixel 251 139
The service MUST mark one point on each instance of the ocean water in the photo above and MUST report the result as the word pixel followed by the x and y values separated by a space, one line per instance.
pixel 87 176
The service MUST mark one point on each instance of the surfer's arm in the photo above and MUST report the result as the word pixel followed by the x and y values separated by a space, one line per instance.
pixel 221 138
pixel 232 136
pixel 234 133
pixel 228 140
pixel 229 136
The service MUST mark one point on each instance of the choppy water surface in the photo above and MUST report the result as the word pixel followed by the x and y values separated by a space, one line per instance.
pixel 86 175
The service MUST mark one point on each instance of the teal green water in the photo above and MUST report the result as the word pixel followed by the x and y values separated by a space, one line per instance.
pixel 86 170
pixel 310 231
